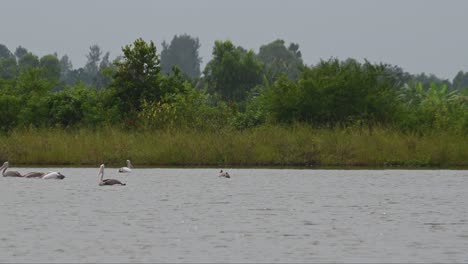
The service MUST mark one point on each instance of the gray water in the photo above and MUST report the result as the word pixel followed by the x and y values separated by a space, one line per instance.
pixel 259 215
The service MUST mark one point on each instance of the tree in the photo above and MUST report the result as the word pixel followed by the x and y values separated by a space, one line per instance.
pixel 281 60
pixel 105 72
pixel 75 105
pixel 28 61
pixel 426 80
pixel 334 92
pixel 20 52
pixel 66 68
pixel 137 77
pixel 8 68
pixel 5 52
pixel 434 108
pixel 460 81
pixel 51 67
pixel 91 68
pixel 183 53
pixel 232 72
pixel 33 89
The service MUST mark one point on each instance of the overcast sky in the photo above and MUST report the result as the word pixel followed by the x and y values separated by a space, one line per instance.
pixel 418 35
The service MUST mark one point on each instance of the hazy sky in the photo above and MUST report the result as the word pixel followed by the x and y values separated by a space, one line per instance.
pixel 418 35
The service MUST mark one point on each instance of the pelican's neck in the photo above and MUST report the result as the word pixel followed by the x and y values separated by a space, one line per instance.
pixel 101 172
pixel 129 164
pixel 4 168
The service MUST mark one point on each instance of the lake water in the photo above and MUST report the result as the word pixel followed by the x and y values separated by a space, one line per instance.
pixel 259 215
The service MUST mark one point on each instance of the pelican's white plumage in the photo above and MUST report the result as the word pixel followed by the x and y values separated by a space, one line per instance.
pixel 127 169
pixel 53 175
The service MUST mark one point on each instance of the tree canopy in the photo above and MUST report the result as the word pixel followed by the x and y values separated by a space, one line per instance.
pixel 183 53
pixel 238 89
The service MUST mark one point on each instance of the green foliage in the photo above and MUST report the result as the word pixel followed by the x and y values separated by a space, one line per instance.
pixel 334 92
pixel 66 69
pixel 10 107
pixel 239 91
pixel 137 77
pixel 281 60
pixel 8 68
pixel 5 52
pixel 20 52
pixel 434 109
pixel 75 105
pixel 27 62
pixel 187 109
pixel 460 81
pixel 232 72
pixel 51 67
pixel 299 145
pixel 95 71
pixel 427 80
pixel 182 52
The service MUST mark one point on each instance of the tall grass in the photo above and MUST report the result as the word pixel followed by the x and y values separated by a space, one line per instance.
pixel 298 145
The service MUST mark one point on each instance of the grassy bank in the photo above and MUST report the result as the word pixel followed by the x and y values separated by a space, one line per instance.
pixel 266 146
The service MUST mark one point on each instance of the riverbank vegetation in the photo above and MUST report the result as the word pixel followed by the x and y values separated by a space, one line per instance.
pixel 244 109
pixel 295 145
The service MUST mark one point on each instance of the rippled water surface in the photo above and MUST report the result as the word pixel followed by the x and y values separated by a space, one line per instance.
pixel 259 215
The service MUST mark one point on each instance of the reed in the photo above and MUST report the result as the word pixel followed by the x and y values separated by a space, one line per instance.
pixel 297 145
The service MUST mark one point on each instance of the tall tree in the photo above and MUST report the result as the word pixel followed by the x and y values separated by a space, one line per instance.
pixel 51 67
pixel 232 72
pixel 183 53
pixel 91 68
pixel 105 72
pixel 137 76
pixel 28 61
pixel 8 68
pixel 20 52
pixel 281 60
pixel 66 68
pixel 460 81
pixel 5 52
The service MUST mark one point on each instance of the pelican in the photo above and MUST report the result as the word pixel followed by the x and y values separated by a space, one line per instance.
pixel 126 169
pixel 9 173
pixel 224 174
pixel 107 181
pixel 53 175
pixel 34 175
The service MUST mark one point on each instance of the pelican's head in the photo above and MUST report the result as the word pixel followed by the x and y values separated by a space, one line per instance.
pixel 5 165
pixel 129 164
pixel 60 176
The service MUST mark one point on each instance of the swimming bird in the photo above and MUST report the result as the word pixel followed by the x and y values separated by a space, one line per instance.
pixel 34 174
pixel 53 175
pixel 224 174
pixel 9 173
pixel 126 169
pixel 107 181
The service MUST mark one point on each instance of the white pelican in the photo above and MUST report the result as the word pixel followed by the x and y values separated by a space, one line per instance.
pixel 9 173
pixel 224 174
pixel 107 181
pixel 53 175
pixel 127 169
